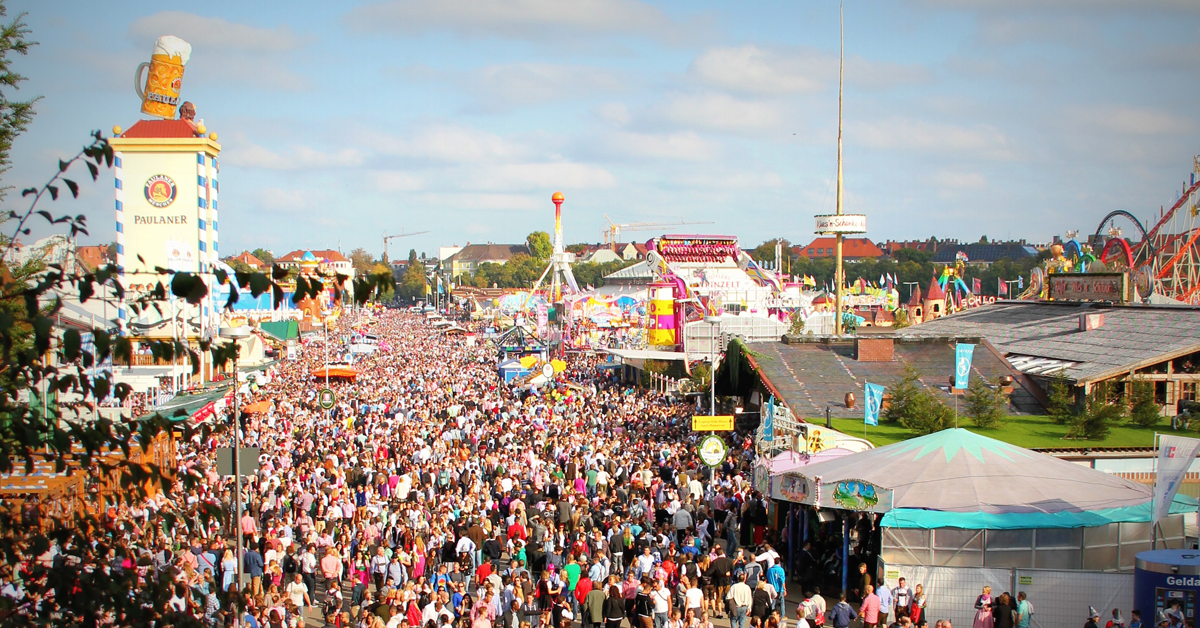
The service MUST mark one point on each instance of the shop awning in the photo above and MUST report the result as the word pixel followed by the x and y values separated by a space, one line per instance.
pixel 181 407
pixel 281 330
pixel 343 372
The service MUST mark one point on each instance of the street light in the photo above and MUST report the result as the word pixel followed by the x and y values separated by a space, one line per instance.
pixel 235 334
pixel 714 324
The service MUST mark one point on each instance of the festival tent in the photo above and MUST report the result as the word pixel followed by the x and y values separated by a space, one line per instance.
pixel 791 460
pixel 959 479
pixel 344 372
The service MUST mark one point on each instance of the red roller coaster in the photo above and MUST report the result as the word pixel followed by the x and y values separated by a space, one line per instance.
pixel 1169 252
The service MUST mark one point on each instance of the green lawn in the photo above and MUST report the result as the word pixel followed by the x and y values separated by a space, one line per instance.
pixel 1025 431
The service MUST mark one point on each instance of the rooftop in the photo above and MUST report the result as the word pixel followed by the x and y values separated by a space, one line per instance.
pixel 810 376
pixel 851 247
pixel 1131 337
pixel 489 252
pixel 160 129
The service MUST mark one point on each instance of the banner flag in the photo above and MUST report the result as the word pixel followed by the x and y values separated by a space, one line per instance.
pixel 1003 288
pixel 874 394
pixel 1175 456
pixel 962 365
pixel 768 421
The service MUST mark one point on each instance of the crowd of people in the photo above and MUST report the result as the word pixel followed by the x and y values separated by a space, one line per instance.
pixel 431 494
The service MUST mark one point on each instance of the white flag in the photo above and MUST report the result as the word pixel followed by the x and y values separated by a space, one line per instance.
pixel 1175 456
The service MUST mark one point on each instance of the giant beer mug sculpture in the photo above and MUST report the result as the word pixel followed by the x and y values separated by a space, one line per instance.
pixel 160 96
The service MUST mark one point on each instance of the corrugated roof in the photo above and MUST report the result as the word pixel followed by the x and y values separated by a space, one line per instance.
pixel 1131 337
pixel 489 252
pixel 985 252
pixel 159 129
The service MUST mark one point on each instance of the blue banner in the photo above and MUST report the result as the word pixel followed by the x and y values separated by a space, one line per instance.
pixel 874 394
pixel 768 420
pixel 962 365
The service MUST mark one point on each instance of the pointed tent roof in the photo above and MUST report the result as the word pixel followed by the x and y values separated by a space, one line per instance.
pixel 957 478
pixel 935 292
pixel 915 299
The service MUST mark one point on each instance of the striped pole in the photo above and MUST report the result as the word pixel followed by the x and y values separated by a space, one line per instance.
pixel 119 196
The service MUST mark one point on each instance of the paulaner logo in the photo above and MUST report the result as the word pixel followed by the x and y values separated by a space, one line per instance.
pixel 160 190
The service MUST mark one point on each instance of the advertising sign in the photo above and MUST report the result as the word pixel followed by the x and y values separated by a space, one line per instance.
pixel 160 221
pixel 326 398
pixel 874 399
pixel 1089 287
pixel 712 450
pixel 1175 456
pixel 844 223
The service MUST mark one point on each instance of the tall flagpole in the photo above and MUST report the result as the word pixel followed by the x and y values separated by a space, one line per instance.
pixel 837 301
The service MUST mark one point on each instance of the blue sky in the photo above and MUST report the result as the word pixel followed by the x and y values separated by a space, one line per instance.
pixel 1011 118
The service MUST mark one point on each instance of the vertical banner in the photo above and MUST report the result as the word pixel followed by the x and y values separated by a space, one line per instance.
pixel 1175 456
pixel 962 365
pixel 768 420
pixel 874 394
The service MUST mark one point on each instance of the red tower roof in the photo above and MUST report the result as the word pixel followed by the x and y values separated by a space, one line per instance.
pixel 935 292
pixel 160 129
pixel 915 299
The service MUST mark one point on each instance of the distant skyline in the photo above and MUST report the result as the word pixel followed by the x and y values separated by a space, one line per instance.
pixel 339 121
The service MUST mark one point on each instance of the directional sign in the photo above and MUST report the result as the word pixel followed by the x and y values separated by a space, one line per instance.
pixel 712 423
pixel 326 398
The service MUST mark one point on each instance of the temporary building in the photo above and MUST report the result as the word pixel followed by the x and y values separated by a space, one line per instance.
pixel 959 498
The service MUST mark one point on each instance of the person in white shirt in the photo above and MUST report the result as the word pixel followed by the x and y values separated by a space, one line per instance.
pixel 297 591
pixel 769 556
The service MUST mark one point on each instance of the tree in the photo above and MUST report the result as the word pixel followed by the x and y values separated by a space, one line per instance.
pixel 928 414
pixel 1062 399
pixel 413 284
pixel 15 115
pixel 1099 414
pixel 902 395
pixel 362 261
pixel 264 256
pixel 540 245
pixel 1144 410
pixel 765 252
pixel 985 404
pixel 983 239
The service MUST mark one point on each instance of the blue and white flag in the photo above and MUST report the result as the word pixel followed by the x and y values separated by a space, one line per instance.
pixel 962 365
pixel 768 420
pixel 874 394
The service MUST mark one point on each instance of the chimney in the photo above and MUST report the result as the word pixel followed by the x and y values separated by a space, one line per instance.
pixel 1091 320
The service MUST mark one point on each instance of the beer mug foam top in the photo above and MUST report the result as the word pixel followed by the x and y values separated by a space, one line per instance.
pixel 160 96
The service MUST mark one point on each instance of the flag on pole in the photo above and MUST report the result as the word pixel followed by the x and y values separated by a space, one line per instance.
pixel 1020 282
pixel 978 285
pixel 768 420
pixel 962 365
pixel 874 399
pixel 1003 288
pixel 1175 456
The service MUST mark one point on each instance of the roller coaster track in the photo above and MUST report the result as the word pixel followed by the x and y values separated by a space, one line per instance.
pixel 1170 248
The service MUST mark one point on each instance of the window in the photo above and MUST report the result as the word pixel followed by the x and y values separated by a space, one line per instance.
pixel 1187 391
pixel 810 251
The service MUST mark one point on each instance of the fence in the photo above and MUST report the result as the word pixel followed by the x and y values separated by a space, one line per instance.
pixel 1059 598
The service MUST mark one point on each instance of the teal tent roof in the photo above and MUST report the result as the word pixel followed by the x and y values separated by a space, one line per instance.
pixel 281 330
pixel 956 478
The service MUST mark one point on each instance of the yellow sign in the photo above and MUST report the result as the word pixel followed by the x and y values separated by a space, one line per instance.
pixel 712 423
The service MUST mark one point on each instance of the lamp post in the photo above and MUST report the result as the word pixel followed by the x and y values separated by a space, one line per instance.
pixel 235 334
pixel 714 324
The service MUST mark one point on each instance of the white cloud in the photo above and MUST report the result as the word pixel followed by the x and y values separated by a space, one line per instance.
pixel 449 144
pixel 397 181
pixel 215 33
pixel 907 134
pixel 1133 121
pixel 959 180
pixel 722 112
pixel 276 199
pixel 732 180
pixel 533 19
pixel 687 146
pixel 751 69
pixel 296 157
pixel 1069 5
pixel 614 113
pixel 504 86
pixel 533 176
pixel 481 201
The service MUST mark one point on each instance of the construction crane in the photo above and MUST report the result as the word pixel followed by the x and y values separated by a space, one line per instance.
pixel 611 234
pixel 387 237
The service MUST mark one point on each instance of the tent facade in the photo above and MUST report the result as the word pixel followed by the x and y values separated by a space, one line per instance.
pixel 959 498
